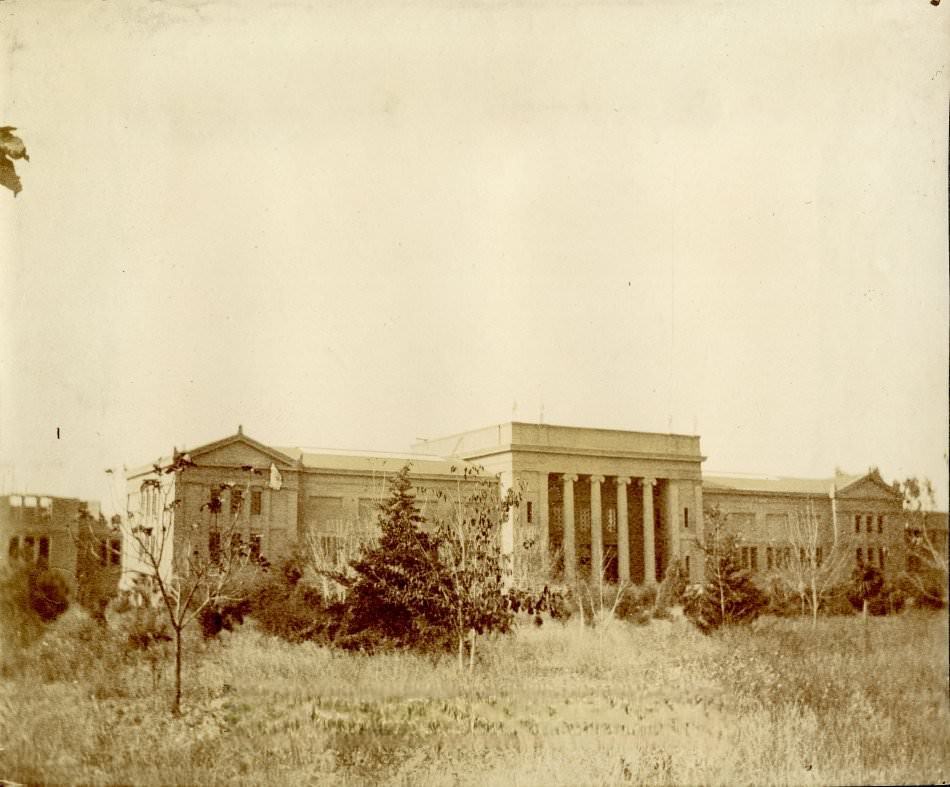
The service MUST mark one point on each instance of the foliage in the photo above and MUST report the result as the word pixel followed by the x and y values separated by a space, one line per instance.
pixel 11 149
pixel 728 595
pixel 393 599
pixel 430 590
pixel 30 597
pixel 285 606
pixel 189 580
pixel 472 571
pixel 927 575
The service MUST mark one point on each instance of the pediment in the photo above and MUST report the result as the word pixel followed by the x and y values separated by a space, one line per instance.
pixel 869 487
pixel 239 450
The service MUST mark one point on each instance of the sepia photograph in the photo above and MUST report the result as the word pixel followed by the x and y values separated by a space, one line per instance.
pixel 474 392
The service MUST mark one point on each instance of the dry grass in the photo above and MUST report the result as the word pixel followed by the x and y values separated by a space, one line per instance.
pixel 776 703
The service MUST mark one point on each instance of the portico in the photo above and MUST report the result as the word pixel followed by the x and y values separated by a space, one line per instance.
pixel 597 504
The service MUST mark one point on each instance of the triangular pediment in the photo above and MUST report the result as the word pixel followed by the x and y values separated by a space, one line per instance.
pixel 239 450
pixel 869 487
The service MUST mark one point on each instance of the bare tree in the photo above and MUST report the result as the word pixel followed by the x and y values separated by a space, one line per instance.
pixel 808 565
pixel 186 575
pixel 926 541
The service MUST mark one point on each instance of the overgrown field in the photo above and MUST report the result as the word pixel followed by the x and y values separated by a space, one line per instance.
pixel 774 702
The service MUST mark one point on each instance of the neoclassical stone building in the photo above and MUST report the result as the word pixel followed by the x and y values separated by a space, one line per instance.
pixel 595 503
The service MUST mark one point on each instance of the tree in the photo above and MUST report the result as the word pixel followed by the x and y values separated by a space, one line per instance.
pixel 926 541
pixel 186 577
pixel 810 567
pixel 11 149
pixel 432 589
pixel 471 575
pixel 392 596
pixel 727 595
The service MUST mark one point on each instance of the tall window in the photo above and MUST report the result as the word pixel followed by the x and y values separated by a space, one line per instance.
pixel 880 523
pixel 28 547
pixel 857 523
pixel 817 556
pixel 858 557
pixel 880 557
pixel 869 522
pixel 530 512
pixel 43 557
pixel 14 550
pixel 237 499
pixel 768 558
pixel 214 546
pixel 686 518
pixel 754 558
pixel 256 502
pixel 255 553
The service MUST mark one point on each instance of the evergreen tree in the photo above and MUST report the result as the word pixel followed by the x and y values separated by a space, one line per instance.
pixel 393 599
pixel 728 595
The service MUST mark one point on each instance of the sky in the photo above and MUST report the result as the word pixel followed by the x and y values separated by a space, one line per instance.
pixel 354 225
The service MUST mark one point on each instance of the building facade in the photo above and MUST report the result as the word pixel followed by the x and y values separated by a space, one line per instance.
pixel 595 504
pixel 66 535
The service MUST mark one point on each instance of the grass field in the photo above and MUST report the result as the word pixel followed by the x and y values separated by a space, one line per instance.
pixel 771 703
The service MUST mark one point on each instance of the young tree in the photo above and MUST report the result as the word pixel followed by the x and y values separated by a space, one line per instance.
pixel 728 594
pixel 187 576
pixel 810 567
pixel 471 573
pixel 927 570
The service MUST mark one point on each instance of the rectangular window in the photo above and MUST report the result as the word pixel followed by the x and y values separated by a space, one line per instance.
pixel 214 500
pixel 869 522
pixel 687 565
pixel 802 557
pixel 686 518
pixel 255 553
pixel 817 556
pixel 880 557
pixel 237 545
pixel 530 513
pixel 214 546
pixel 858 557
pixel 28 547
pixel 256 502
pixel 14 550
pixel 754 558
pixel 880 523
pixel 115 552
pixel 768 558
pixel 43 557
pixel 857 523
pixel 237 500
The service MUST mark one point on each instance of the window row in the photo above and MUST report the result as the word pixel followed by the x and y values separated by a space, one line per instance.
pixel 777 557
pixel 109 552
pixel 866 557
pixel 869 521
pixel 31 548
pixel 236 504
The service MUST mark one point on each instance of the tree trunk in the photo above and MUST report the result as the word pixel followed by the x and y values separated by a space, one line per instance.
pixel 176 705
pixel 471 651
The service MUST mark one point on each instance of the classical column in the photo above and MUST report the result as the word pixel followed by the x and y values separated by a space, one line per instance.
pixel 673 522
pixel 649 551
pixel 544 534
pixel 570 552
pixel 596 530
pixel 623 531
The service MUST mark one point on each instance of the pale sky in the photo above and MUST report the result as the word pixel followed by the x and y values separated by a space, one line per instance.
pixel 352 225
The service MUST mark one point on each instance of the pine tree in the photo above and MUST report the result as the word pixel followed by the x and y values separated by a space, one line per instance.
pixel 393 599
pixel 728 595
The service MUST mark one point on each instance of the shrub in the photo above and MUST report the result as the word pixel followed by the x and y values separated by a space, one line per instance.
pixel 30 598
pixel 285 606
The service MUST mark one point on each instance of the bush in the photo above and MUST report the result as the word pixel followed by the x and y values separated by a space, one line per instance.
pixel 287 607
pixel 30 598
